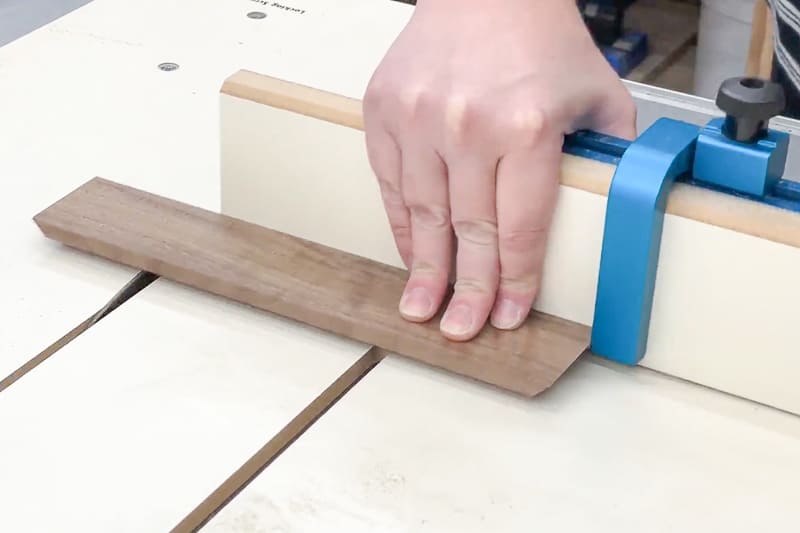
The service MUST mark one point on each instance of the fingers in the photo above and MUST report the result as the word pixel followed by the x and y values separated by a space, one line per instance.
pixel 621 123
pixel 472 199
pixel 385 160
pixel 425 193
pixel 527 188
pixel 615 114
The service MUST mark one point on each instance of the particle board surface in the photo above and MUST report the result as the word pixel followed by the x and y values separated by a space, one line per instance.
pixel 140 418
pixel 305 281
pixel 115 113
pixel 702 205
pixel 607 450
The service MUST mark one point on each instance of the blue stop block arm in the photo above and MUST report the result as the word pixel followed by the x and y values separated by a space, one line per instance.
pixel 632 237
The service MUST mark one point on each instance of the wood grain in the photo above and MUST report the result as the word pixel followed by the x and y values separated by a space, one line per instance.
pixel 694 203
pixel 304 281
pixel 760 51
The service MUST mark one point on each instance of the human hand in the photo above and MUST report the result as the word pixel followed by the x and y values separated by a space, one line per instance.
pixel 465 119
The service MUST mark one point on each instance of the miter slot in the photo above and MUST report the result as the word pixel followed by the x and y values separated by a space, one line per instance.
pixel 597 146
pixel 128 291
pixel 274 447
pixel 141 280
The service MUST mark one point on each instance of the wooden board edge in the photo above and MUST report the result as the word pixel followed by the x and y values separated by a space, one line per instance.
pixel 294 97
pixel 702 205
pixel 527 381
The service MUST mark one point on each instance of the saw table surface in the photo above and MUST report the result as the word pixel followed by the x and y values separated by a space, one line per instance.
pixel 143 415
pixel 132 424
pixel 83 96
pixel 607 450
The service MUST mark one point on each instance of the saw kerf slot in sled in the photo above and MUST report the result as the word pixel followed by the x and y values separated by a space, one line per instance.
pixel 293 159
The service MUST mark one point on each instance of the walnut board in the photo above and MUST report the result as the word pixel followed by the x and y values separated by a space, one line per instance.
pixel 725 302
pixel 317 285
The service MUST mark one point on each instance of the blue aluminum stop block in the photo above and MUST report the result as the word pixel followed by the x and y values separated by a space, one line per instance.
pixel 748 168
pixel 632 237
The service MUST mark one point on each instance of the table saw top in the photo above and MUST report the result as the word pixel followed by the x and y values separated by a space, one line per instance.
pixel 132 424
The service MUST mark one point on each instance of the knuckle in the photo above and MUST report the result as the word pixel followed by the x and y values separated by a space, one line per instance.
pixel 390 192
pixel 376 93
pixel 401 230
pixel 405 102
pixel 526 125
pixel 398 220
pixel 522 240
pixel 470 285
pixel 459 117
pixel 426 269
pixel 481 232
pixel 416 101
pixel 430 216
pixel 525 284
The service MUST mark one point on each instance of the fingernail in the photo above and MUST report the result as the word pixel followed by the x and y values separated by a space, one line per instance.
pixel 457 320
pixel 416 303
pixel 506 315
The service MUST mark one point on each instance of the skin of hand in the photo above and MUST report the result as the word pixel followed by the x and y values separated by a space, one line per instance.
pixel 465 118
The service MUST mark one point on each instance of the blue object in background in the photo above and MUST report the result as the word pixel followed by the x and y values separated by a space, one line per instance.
pixel 627 52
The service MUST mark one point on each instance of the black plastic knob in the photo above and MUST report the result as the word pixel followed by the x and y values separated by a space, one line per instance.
pixel 749 103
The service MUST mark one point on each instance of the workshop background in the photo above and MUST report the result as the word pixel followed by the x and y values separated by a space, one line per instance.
pixel 684 45
pixel 689 46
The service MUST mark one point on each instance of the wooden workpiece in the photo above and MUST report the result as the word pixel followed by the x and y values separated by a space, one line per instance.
pixel 320 286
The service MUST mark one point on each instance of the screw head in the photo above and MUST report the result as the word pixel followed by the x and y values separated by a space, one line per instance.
pixel 168 67
pixel 257 15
